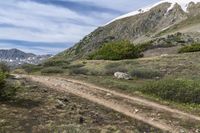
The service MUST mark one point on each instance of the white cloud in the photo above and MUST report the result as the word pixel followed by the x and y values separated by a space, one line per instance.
pixel 51 23
pixel 35 22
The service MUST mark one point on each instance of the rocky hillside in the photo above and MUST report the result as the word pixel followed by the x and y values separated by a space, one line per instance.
pixel 171 22
pixel 15 57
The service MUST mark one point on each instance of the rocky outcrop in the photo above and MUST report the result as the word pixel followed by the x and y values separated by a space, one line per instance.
pixel 121 75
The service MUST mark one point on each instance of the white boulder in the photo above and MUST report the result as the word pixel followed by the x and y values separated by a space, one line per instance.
pixel 121 75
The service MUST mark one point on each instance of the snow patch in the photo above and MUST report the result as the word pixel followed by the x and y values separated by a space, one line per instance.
pixel 183 3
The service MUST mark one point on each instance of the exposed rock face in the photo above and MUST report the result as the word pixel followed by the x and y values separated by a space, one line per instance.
pixel 157 22
pixel 121 75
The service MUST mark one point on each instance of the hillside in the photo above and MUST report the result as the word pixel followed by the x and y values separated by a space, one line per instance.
pixel 166 22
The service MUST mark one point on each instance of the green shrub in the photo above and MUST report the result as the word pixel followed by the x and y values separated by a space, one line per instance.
pixel 7 90
pixel 77 71
pixel 182 91
pixel 56 62
pixel 29 68
pixel 116 51
pixel 191 48
pixel 145 74
pixel 52 70
pixel 76 66
pixel 145 46
pixel 4 68
pixel 2 79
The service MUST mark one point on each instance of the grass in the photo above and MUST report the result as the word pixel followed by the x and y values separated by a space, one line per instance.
pixel 176 90
pixel 190 48
pixel 52 70
pixel 148 72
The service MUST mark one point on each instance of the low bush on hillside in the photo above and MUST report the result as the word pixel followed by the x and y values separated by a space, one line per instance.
pixel 4 68
pixel 181 91
pixel 145 74
pixel 52 70
pixel 116 51
pixel 76 66
pixel 7 90
pixel 76 71
pixel 145 46
pixel 56 62
pixel 191 48
pixel 29 68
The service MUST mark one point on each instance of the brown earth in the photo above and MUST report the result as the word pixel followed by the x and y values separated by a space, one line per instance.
pixel 153 114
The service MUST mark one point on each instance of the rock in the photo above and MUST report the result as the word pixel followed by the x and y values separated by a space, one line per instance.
pixel 60 104
pixel 108 94
pixel 64 99
pixel 182 131
pixel 121 75
pixel 164 55
pixel 136 111
pixel 81 120
pixel 157 78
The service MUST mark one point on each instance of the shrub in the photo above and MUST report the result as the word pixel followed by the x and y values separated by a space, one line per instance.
pixel 76 66
pixel 191 48
pixel 30 68
pixel 4 68
pixel 145 74
pixel 145 46
pixel 51 70
pixel 182 91
pixel 55 62
pixel 116 51
pixel 76 71
pixel 7 91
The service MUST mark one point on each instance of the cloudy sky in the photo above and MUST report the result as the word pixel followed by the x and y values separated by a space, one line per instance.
pixel 50 26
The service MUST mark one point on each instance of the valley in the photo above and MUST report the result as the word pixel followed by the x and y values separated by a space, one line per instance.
pixel 138 73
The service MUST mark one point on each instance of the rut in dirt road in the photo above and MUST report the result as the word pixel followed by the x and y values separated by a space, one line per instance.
pixel 154 114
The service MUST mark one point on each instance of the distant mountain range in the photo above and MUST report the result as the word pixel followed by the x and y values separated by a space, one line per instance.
pixel 15 57
pixel 167 23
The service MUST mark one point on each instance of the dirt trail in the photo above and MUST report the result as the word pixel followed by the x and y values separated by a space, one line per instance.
pixel 154 114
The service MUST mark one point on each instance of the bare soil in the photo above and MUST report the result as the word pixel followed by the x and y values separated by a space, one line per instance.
pixel 153 114
pixel 39 108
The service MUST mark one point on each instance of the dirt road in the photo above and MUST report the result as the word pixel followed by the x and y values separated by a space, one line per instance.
pixel 154 114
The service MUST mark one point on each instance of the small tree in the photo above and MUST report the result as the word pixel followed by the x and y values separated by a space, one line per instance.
pixel 117 50
pixel 4 68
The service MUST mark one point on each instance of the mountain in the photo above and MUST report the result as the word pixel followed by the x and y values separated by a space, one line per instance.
pixel 15 57
pixel 166 23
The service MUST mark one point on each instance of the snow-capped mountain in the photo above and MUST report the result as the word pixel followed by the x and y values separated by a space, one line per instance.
pixel 183 3
pixel 15 57
pixel 174 22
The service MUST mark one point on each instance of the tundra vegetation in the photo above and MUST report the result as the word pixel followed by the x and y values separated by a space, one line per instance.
pixel 7 89
pixel 173 78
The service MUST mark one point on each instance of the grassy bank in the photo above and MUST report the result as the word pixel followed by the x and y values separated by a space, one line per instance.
pixel 171 79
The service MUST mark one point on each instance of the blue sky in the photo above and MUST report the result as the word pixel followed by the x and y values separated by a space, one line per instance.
pixel 50 26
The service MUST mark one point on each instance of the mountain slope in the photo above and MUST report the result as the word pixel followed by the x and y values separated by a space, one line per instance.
pixel 15 57
pixel 152 23
pixel 14 53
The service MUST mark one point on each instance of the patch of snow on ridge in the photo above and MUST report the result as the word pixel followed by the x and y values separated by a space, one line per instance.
pixel 182 3
pixel 142 10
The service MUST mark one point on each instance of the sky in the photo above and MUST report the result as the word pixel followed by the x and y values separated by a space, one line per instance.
pixel 51 26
